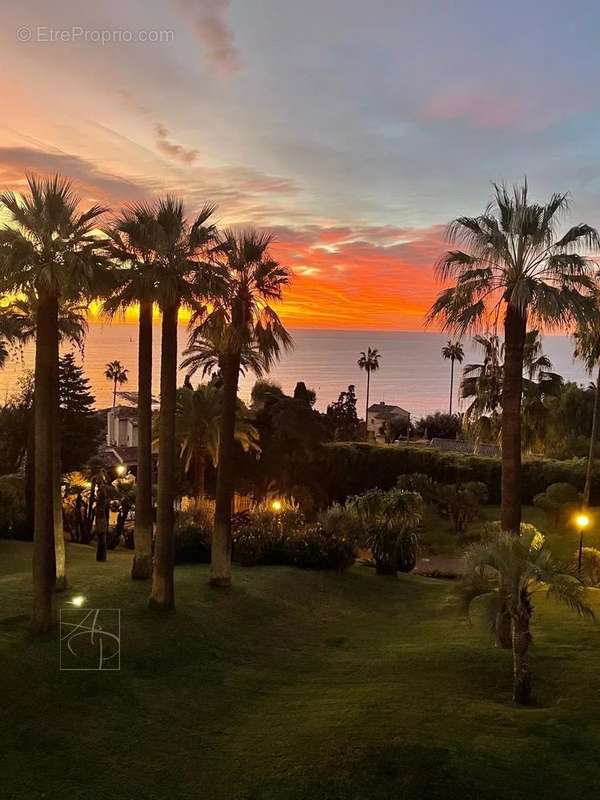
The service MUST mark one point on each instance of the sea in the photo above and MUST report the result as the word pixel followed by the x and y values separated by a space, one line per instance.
pixel 412 372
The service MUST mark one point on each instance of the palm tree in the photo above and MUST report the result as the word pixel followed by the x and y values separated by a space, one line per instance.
pixel 48 250
pixel 118 375
pixel 515 264
pixel 179 247
pixel 131 238
pixel 239 327
pixel 453 351
pixel 72 327
pixel 587 348
pixel 482 384
pixel 368 361
pixel 198 427
pixel 522 565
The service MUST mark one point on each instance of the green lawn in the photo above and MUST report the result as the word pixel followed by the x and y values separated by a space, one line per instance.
pixel 293 685
pixel 439 537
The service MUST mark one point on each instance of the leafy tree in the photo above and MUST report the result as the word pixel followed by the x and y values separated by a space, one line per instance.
pixel 81 428
pixel 239 329
pixel 514 263
pixel 452 351
pixel 369 361
pixel 439 426
pixel 342 418
pixel 116 373
pixel 522 565
pixel 48 251
pixel 308 396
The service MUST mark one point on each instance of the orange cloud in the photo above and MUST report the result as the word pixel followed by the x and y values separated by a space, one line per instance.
pixel 378 278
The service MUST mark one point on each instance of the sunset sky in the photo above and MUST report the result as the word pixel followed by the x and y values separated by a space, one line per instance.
pixel 353 130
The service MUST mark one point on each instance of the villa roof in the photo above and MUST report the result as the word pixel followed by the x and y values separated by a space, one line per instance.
pixel 384 409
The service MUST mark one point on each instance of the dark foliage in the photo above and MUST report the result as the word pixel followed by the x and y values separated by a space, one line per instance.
pixel 81 427
pixel 439 426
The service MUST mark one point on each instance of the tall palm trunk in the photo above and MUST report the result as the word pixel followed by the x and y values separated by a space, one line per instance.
pixel 101 522
pixel 521 639
pixel 587 489
pixel 367 405
pixel 163 589
pixel 114 393
pixel 220 559
pixel 142 537
pixel 59 534
pixel 451 383
pixel 199 476
pixel 44 559
pixel 515 325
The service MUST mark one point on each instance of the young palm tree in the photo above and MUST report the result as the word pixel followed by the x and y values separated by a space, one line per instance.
pixel 522 565
pixel 48 250
pixel 116 373
pixel 453 351
pixel 368 361
pixel 131 238
pixel 587 348
pixel 239 325
pixel 514 263
pixel 198 427
pixel 179 247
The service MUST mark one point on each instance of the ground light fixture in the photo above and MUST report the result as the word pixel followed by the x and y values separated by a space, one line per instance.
pixel 582 521
pixel 276 506
pixel 78 600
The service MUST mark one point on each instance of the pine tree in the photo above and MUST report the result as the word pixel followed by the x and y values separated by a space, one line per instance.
pixel 81 428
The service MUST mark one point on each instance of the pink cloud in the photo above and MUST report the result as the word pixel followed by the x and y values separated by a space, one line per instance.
pixel 175 151
pixel 210 24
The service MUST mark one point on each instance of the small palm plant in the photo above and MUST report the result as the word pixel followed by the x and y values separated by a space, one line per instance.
pixel 197 430
pixel 454 352
pixel 369 361
pixel 521 565
pixel 118 375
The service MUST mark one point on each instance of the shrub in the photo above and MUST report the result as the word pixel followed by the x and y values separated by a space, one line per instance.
pixel 558 501
pixel 418 482
pixel 340 523
pixel 285 538
pixel 314 548
pixel 193 532
pixel 460 503
pixel 590 566
pixel 13 519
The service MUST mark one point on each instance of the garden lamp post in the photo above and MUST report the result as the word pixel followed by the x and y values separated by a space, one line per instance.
pixel 582 521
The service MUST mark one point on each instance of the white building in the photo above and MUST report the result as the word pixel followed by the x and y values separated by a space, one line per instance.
pixel 379 415
pixel 121 429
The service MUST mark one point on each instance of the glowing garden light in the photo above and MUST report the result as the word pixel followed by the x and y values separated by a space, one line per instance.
pixel 78 600
pixel 582 521
pixel 276 506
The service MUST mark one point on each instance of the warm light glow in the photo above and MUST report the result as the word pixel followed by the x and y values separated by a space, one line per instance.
pixel 120 469
pixel 582 520
pixel 276 506
pixel 78 600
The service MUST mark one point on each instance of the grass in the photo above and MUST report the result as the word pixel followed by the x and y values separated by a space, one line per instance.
pixel 439 537
pixel 292 686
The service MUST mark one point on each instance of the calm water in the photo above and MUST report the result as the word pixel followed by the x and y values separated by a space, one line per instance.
pixel 412 373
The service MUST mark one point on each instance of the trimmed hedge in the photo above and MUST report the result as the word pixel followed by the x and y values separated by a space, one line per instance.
pixel 343 469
